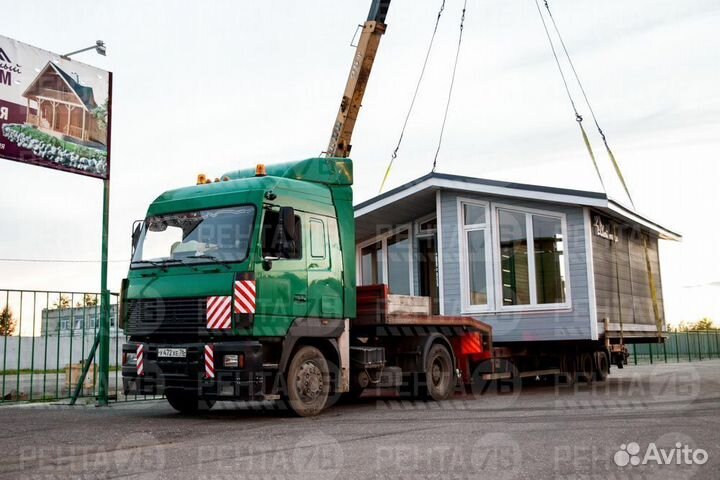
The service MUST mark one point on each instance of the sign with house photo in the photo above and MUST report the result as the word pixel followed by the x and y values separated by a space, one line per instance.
pixel 53 110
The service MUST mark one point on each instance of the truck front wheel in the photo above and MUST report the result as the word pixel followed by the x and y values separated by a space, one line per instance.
pixel 438 373
pixel 308 382
pixel 187 402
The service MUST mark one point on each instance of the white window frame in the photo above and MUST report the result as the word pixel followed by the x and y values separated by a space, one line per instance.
pixel 464 269
pixel 529 212
pixel 384 252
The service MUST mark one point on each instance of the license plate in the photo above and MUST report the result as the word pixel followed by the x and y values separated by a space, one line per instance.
pixel 172 352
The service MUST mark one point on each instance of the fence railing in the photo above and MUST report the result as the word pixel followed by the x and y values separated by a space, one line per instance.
pixel 46 338
pixel 680 346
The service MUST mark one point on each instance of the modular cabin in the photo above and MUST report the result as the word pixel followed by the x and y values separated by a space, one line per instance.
pixel 62 106
pixel 538 264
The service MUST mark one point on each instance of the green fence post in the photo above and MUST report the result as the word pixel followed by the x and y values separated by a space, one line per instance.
pixel 650 345
pixel 57 351
pixel 85 369
pixel 17 377
pixel 32 349
pixel 677 344
pixel 664 344
pixel 717 342
pixel 635 353
pixel 72 336
pixel 707 341
pixel 687 334
pixel 45 328
pixel 7 305
pixel 697 336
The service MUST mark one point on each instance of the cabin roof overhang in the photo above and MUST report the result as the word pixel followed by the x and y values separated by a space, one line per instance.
pixel 413 199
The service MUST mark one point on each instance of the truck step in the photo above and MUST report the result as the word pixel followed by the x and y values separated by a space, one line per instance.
pixel 270 366
pixel 529 373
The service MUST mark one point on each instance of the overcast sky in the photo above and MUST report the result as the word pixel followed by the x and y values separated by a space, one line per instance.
pixel 215 86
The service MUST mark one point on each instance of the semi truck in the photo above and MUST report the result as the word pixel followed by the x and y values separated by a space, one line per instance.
pixel 244 288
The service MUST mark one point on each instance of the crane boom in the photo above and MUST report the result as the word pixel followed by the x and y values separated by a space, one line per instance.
pixel 372 31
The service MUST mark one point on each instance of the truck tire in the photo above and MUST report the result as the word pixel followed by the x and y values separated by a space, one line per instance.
pixel 603 366
pixel 187 402
pixel 439 374
pixel 308 382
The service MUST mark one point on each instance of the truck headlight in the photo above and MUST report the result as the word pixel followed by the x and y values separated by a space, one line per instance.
pixel 129 357
pixel 234 361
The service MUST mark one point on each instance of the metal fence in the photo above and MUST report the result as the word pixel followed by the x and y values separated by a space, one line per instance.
pixel 679 346
pixel 45 339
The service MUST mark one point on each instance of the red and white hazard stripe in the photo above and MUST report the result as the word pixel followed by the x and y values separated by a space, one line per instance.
pixel 209 361
pixel 218 313
pixel 140 360
pixel 244 296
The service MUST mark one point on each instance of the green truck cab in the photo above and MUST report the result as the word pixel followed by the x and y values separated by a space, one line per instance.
pixel 248 266
pixel 244 289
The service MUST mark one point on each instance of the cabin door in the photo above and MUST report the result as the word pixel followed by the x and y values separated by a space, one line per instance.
pixel 428 270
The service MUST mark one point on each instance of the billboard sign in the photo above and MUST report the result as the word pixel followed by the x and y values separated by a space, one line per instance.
pixel 54 112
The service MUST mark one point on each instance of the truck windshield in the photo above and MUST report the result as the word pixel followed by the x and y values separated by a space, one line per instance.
pixel 204 236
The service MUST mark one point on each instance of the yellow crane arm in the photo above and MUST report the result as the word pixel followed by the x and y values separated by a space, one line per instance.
pixel 372 31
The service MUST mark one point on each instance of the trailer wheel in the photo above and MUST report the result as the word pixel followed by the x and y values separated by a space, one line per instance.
pixel 587 367
pixel 308 382
pixel 603 366
pixel 187 402
pixel 438 373
pixel 569 368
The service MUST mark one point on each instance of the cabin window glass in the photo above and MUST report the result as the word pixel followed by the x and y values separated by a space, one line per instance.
pixel 549 259
pixel 532 258
pixel 372 264
pixel 473 214
pixel 202 236
pixel 477 267
pixel 317 238
pixel 274 241
pixel 475 264
pixel 514 258
pixel 398 248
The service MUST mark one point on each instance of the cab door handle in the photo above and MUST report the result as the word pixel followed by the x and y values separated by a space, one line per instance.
pixel 300 298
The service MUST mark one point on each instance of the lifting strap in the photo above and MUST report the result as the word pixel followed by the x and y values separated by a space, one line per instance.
pixel 578 117
pixel 452 84
pixel 616 166
pixel 653 290
pixel 414 97
pixel 613 246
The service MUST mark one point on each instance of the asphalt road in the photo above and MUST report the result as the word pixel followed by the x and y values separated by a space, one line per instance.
pixel 635 419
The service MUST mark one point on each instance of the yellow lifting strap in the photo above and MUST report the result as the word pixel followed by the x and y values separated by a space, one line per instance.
pixel 613 246
pixel 617 169
pixel 653 290
pixel 590 150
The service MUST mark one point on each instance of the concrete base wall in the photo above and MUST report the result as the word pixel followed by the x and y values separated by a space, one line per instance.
pixel 45 350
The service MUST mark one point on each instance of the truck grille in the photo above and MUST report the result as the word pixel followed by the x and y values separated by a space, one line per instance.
pixel 167 316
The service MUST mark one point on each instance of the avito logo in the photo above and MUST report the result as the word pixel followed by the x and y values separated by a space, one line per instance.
pixel 680 455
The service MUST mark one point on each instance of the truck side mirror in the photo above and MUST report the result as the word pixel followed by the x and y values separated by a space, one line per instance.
pixel 287 220
pixel 137 229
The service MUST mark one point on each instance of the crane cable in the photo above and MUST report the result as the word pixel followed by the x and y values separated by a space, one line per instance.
pixel 452 84
pixel 616 165
pixel 414 97
pixel 578 117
